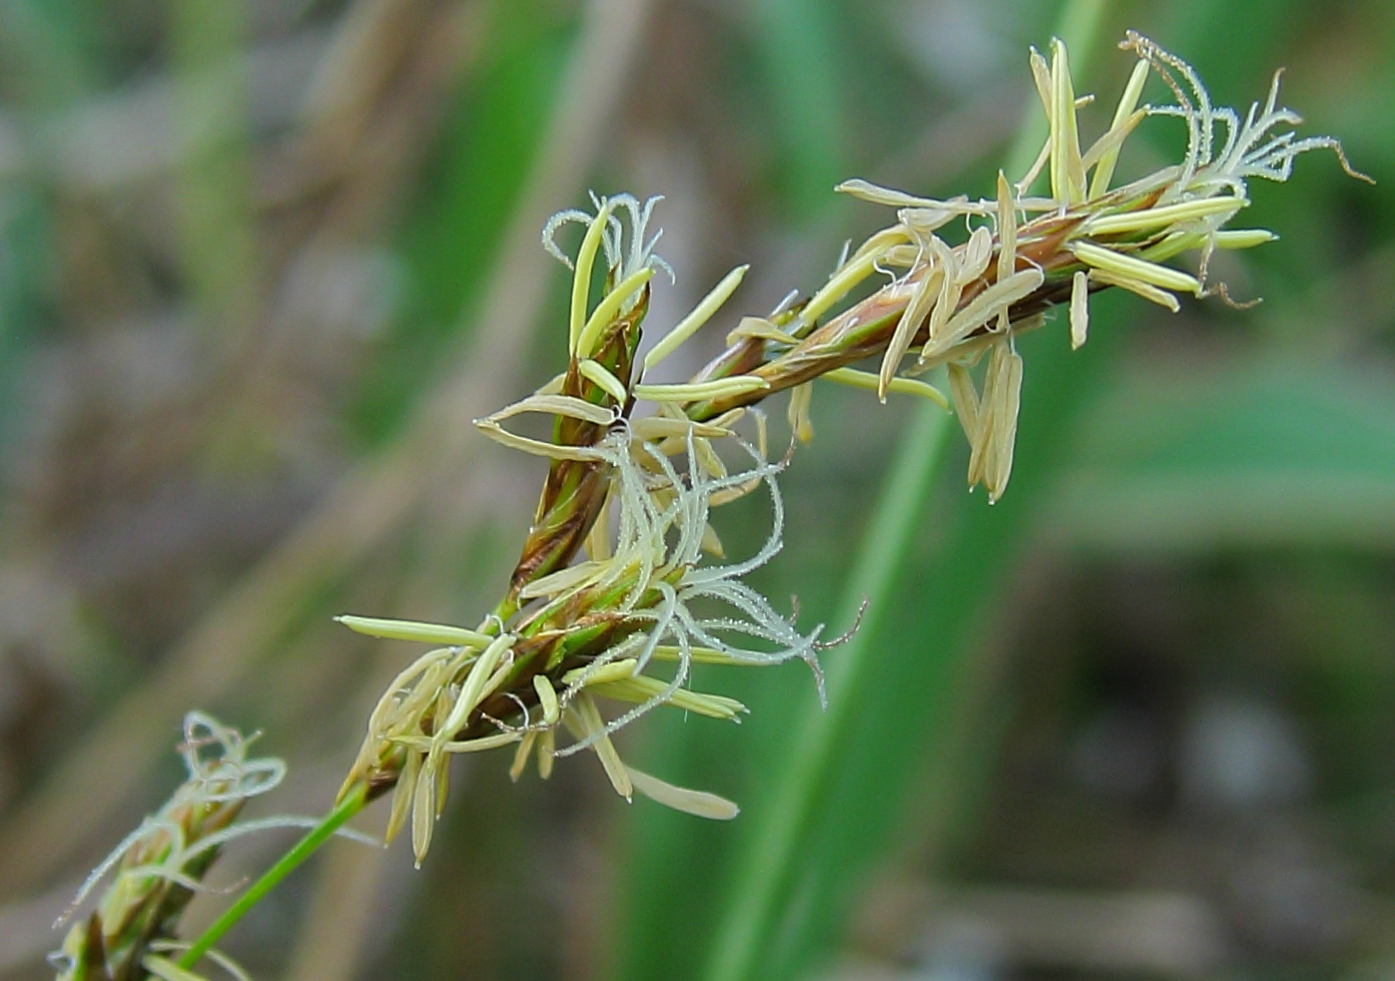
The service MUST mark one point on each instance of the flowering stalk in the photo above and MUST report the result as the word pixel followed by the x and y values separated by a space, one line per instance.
pixel 568 633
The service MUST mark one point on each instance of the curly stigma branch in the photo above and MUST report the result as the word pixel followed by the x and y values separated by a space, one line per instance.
pixel 623 583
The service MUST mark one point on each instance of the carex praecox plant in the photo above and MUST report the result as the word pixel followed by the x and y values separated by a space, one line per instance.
pixel 623 584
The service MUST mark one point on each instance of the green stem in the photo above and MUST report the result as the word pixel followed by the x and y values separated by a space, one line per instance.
pixel 772 853
pixel 288 862
pixel 768 861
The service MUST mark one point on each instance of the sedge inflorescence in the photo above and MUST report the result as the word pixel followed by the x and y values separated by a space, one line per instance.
pixel 160 866
pixel 635 467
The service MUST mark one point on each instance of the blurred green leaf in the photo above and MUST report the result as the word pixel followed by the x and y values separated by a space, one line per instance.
pixel 208 40
pixel 798 42
pixel 45 52
pixel 465 199
pixel 1258 454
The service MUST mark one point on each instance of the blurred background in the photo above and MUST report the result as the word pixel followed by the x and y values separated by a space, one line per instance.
pixel 261 261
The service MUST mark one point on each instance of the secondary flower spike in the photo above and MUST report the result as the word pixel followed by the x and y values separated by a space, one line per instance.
pixel 160 865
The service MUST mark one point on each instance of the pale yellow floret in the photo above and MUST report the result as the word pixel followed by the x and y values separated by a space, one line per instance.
pixel 977 251
pixel 698 391
pixel 1182 242
pixel 950 288
pixel 1079 309
pixel 608 309
pixel 878 244
pixel 584 720
pixel 536 447
pixel 604 378
pixel 917 309
pixel 425 633
pixel 1007 398
pixel 1129 267
pixel 1067 169
pixel 1128 103
pixel 560 405
pixel 403 796
pixel 711 543
pixel 424 799
pixel 1151 218
pixel 708 458
pixel 1146 290
pixel 640 689
pixel 876 194
pixel 907 256
pixel 600 674
pixel 1007 229
pixel 1041 78
pixel 651 429
pixel 547 699
pixel 698 655
pixel 983 308
pixel 557 405
pixel 801 398
pixel 761 329
pixel 901 386
pixel 700 314
pixel 1174 245
pixel 990 460
pixel 547 752
pixel 1242 238
pixel 597 542
pixel 521 755
pixel 699 803
pixel 479 683
pixel 581 277
pixel 925 221
pixel 854 271
pixel 425 744
pixel 561 580
pixel 966 405
pixel 1226 238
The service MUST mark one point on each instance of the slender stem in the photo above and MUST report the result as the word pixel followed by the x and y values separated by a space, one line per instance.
pixel 770 856
pixel 288 862
pixel 772 853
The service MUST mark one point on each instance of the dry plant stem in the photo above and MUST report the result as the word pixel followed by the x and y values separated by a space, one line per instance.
pixel 878 561
pixel 367 507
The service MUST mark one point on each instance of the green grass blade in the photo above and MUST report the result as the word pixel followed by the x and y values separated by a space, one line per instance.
pixel 792 876
pixel 217 224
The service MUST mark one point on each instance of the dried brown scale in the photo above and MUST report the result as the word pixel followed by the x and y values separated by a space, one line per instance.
pixel 575 490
